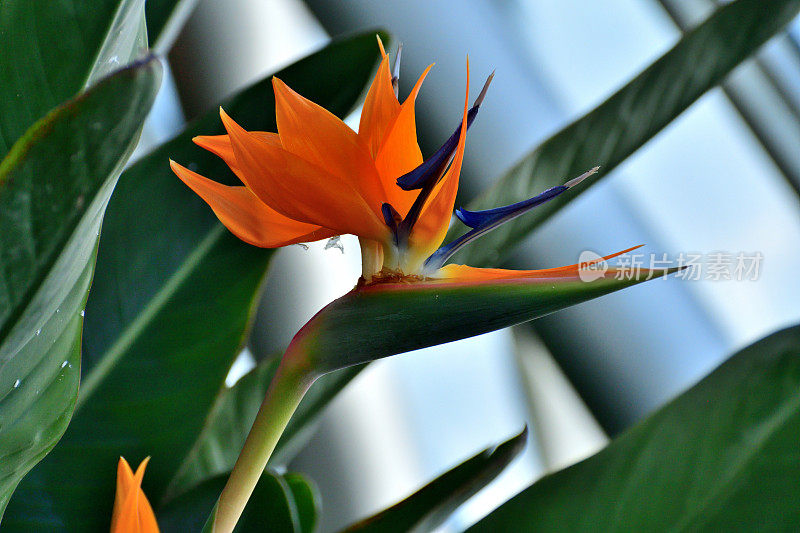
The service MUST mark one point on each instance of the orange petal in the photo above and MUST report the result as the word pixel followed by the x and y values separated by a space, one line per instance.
pixel 220 145
pixel 431 228
pixel 399 152
pixel 380 107
pixel 132 512
pixel 472 274
pixel 124 481
pixel 246 216
pixel 321 138
pixel 299 189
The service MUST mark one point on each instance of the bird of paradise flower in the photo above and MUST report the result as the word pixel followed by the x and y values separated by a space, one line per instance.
pixel 315 179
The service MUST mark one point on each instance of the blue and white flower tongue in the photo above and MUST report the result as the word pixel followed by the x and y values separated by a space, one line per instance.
pixel 482 222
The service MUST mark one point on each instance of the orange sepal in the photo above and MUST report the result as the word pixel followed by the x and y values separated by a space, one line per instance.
pixel 456 273
pixel 318 136
pixel 434 220
pixel 300 190
pixel 220 145
pixel 132 512
pixel 246 216
pixel 380 107
pixel 399 152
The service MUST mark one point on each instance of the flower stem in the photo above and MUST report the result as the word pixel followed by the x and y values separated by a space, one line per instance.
pixel 287 388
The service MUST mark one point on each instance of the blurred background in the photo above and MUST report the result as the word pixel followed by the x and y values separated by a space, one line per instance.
pixel 713 182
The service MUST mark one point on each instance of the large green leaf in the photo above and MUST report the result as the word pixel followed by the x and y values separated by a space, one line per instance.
pixel 615 129
pixel 760 96
pixel 52 50
pixel 169 309
pixel 54 187
pixel 723 456
pixel 280 503
pixel 429 507
pixel 230 419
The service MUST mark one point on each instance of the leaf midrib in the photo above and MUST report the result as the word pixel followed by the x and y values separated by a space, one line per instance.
pixel 160 299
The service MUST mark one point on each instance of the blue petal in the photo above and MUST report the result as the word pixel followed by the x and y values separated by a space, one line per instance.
pixel 485 221
pixel 431 170
pixel 475 219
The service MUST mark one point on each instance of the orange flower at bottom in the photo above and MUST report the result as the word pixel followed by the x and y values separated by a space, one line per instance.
pixel 132 511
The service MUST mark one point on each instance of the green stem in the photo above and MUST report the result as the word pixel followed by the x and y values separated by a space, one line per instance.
pixel 287 388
